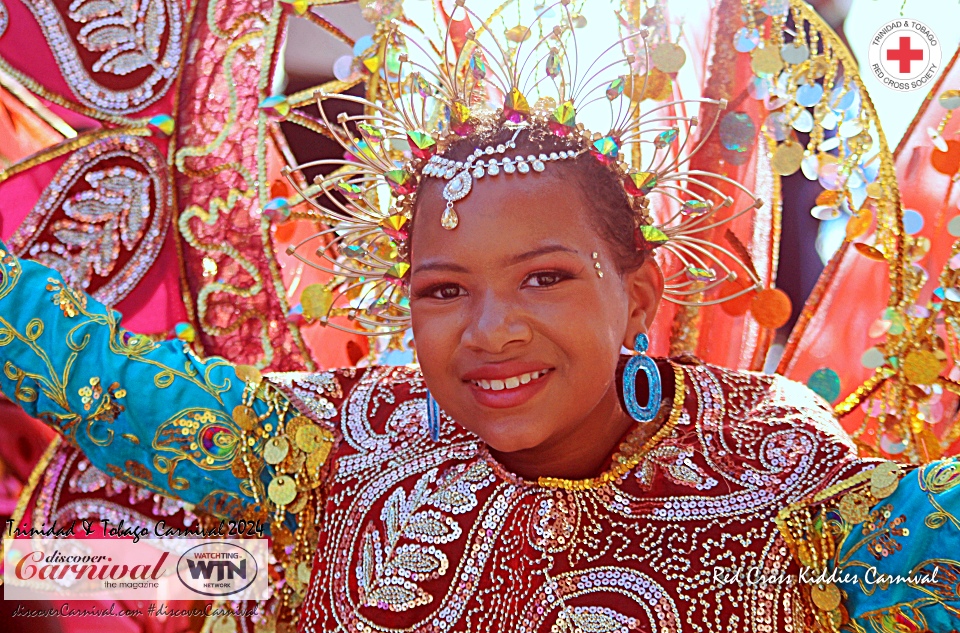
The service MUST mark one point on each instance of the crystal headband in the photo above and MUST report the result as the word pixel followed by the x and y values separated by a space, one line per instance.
pixel 462 173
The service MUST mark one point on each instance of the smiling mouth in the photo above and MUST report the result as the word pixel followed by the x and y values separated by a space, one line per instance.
pixel 512 382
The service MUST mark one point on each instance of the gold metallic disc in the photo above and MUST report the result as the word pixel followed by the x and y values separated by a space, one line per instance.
pixel 668 57
pixel 282 490
pixel 854 508
pixel 309 438
pixel 766 61
pixel 922 367
pixel 245 417
pixel 787 158
pixel 276 450
pixel 826 597
pixel 885 474
pixel 248 373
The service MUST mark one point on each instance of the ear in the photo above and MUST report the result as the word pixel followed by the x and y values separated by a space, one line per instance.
pixel 644 287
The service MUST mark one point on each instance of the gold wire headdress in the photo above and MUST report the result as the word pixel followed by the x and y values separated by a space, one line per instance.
pixel 432 94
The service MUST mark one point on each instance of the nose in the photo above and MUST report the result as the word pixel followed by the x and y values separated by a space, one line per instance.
pixel 497 323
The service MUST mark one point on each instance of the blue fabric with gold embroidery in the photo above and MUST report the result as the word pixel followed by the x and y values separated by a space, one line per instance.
pixel 912 540
pixel 151 413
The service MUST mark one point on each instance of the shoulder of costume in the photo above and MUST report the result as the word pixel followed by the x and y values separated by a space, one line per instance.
pixel 324 396
pixel 782 402
pixel 771 417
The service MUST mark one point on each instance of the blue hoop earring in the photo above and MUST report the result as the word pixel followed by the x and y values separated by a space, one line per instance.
pixel 433 417
pixel 634 365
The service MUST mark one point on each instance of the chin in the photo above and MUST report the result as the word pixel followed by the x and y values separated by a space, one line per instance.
pixel 508 438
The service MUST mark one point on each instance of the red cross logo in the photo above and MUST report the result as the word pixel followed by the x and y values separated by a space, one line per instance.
pixel 905 54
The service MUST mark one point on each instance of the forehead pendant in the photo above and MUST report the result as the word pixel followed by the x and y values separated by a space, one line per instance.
pixel 457 189
pixel 485 161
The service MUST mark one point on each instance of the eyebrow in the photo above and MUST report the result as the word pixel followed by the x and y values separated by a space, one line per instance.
pixel 439 264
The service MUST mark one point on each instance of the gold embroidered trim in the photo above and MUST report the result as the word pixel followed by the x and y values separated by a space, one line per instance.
pixel 629 455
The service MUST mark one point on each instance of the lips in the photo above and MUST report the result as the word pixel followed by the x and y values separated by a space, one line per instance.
pixel 510 383
pixel 504 370
pixel 507 384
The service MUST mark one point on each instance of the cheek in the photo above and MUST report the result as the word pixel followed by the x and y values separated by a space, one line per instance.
pixel 596 319
pixel 436 336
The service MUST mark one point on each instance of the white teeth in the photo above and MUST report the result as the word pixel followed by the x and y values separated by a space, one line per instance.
pixel 509 383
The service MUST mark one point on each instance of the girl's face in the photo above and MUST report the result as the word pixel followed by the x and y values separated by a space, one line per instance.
pixel 517 335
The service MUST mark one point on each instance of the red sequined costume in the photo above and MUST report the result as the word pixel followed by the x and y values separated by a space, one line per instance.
pixel 438 537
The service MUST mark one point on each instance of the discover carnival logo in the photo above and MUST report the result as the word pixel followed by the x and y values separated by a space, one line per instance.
pixel 124 569
pixel 905 55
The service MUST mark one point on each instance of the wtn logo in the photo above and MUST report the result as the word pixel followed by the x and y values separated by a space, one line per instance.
pixel 219 568
pixel 223 568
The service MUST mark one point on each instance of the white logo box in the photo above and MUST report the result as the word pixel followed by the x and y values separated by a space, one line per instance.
pixel 148 569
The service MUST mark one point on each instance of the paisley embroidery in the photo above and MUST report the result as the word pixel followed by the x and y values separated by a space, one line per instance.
pixel 136 47
pixel 205 437
pixel 593 620
pixel 102 220
pixel 458 485
pixel 676 462
pixel 941 477
pixel 129 34
pixel 626 588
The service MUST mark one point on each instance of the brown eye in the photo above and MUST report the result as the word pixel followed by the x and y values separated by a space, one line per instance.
pixel 444 291
pixel 546 278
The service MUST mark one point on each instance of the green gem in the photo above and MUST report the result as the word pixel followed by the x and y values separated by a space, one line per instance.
pixel 421 139
pixel 615 89
pixel 653 235
pixel 565 114
pixel 641 183
pixel 352 251
pixel 477 66
pixel 363 149
pixel 400 181
pixel 420 85
pixel 695 207
pixel 700 274
pixel 606 148
pixel 665 138
pixel 276 105
pixel 397 272
pixel 515 106
pixel 370 132
pixel 163 123
pixel 349 189
pixel 553 64
pixel 398 176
